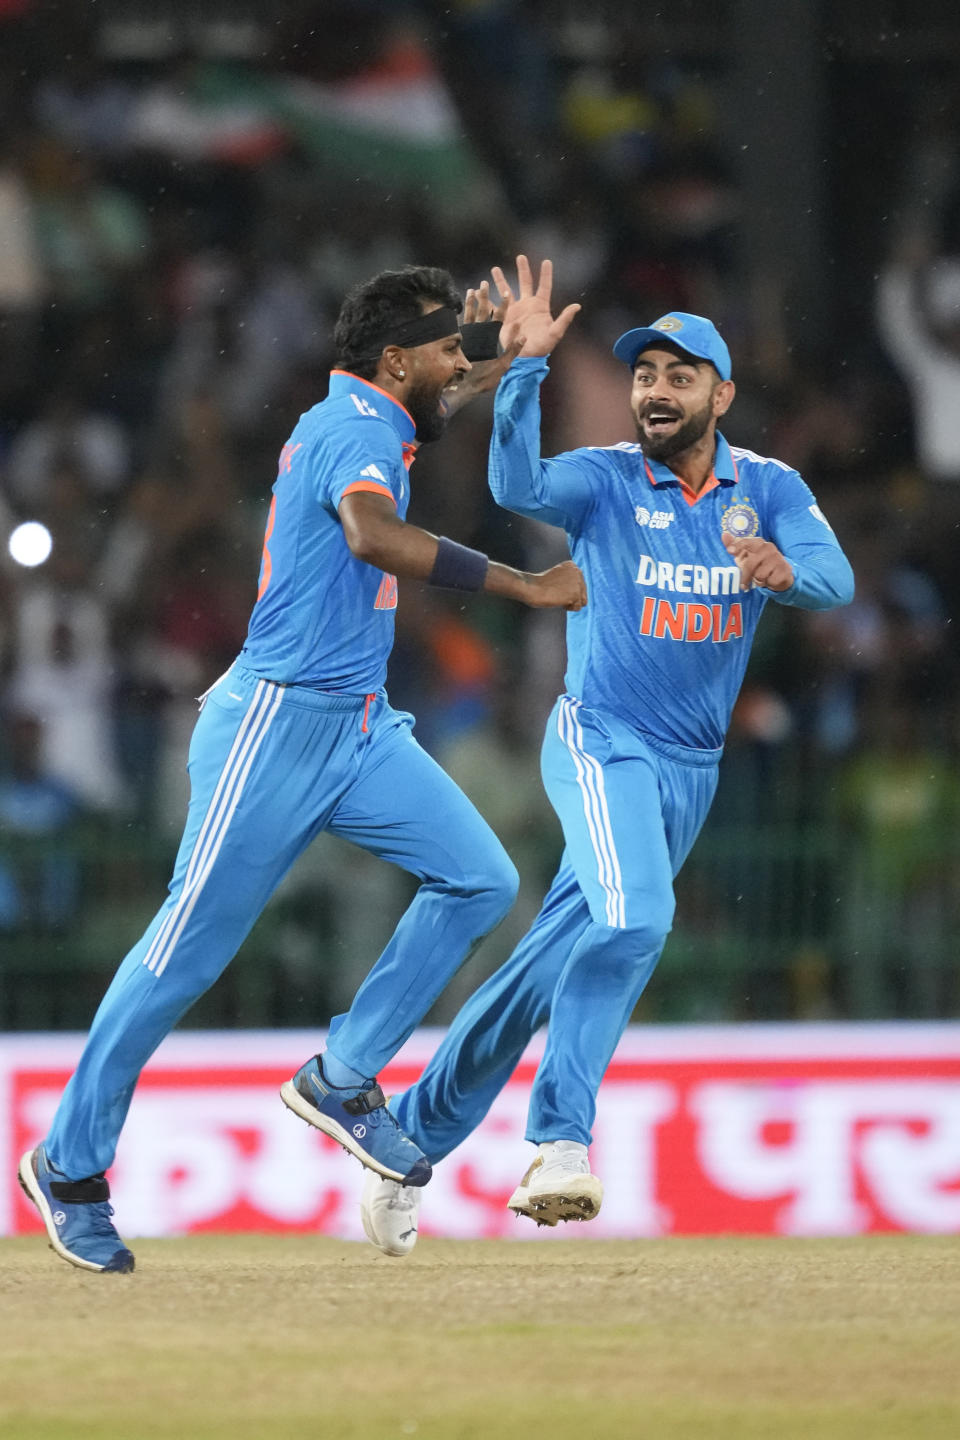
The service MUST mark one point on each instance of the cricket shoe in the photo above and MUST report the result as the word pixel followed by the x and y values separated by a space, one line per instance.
pixel 389 1213
pixel 558 1186
pixel 358 1119
pixel 76 1214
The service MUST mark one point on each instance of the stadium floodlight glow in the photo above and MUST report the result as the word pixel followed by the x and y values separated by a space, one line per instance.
pixel 30 543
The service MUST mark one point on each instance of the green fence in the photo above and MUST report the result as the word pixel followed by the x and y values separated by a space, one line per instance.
pixel 800 901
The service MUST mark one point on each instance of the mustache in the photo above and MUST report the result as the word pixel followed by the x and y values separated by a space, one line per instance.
pixel 658 407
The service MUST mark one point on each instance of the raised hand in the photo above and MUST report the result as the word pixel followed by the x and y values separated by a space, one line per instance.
pixel 527 317
pixel 478 305
pixel 484 375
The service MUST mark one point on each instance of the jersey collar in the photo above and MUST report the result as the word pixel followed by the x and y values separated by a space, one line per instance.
pixel 343 382
pixel 724 473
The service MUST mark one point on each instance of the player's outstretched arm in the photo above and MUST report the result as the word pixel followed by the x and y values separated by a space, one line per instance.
pixel 377 535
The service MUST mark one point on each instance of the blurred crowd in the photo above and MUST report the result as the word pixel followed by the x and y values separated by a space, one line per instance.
pixel 181 212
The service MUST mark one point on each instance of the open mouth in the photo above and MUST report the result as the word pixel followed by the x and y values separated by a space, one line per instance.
pixel 445 395
pixel 658 422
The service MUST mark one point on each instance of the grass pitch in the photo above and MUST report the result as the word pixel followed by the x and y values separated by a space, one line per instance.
pixel 260 1338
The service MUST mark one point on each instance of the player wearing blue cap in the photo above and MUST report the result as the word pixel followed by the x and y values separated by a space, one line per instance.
pixel 299 737
pixel 682 539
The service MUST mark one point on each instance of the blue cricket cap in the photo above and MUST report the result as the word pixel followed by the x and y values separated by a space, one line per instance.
pixel 698 336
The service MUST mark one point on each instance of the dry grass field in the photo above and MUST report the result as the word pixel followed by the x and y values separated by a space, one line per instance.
pixel 259 1338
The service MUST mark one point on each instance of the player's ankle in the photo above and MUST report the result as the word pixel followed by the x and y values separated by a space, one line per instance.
pixel 550 1149
pixel 340 1075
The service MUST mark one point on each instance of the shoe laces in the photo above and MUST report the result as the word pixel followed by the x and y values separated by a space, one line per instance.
pixel 572 1161
pixel 99 1218
pixel 382 1117
pixel 403 1198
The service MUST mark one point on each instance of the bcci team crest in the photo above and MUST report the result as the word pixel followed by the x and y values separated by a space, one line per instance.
pixel 670 323
pixel 740 520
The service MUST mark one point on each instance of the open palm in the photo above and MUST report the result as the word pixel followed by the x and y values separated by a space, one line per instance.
pixel 527 314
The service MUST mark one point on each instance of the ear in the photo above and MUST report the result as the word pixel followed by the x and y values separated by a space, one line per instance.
pixel 393 361
pixel 723 397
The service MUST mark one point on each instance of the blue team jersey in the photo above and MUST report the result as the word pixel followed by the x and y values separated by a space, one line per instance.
pixel 664 639
pixel 323 618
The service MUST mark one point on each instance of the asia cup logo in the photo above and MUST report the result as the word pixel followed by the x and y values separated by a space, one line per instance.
pixel 656 519
pixel 740 520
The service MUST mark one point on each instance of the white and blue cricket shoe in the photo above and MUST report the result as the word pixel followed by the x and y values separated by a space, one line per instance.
pixel 358 1119
pixel 77 1215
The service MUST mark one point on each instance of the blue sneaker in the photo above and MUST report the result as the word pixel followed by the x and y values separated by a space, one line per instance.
pixel 359 1121
pixel 76 1214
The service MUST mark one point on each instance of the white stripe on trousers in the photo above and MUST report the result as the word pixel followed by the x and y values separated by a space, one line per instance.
pixel 226 797
pixel 590 779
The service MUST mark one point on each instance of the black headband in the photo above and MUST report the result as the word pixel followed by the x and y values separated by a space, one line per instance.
pixel 435 325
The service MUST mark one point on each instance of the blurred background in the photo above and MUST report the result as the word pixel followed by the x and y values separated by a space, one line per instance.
pixel 185 198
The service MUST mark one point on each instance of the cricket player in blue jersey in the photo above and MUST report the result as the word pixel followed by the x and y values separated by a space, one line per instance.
pixel 682 540
pixel 299 737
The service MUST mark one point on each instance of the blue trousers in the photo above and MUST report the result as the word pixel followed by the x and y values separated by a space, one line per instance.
pixel 270 767
pixel 630 814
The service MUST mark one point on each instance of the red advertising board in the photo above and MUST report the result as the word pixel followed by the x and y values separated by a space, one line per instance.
pixel 791 1130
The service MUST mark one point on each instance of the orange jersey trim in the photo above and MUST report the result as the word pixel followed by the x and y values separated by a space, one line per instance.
pixel 266 558
pixel 380 391
pixel 369 485
pixel 691 496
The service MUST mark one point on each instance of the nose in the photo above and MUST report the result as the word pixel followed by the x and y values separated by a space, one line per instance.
pixel 660 389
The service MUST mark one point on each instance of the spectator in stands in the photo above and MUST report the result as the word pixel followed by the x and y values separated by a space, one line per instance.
pixel 39 884
pixel 66 431
pixel 62 674
pixel 918 315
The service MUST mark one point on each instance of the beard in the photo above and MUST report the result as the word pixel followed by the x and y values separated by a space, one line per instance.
pixel 664 447
pixel 425 409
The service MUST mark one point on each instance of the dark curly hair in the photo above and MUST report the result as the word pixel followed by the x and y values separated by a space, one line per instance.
pixel 382 303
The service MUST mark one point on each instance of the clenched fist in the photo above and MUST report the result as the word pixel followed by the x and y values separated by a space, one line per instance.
pixel 759 561
pixel 562 587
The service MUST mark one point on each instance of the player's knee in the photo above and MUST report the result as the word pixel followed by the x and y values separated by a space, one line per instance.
pixel 488 883
pixel 494 883
pixel 643 932
pixel 503 883
pixel 651 928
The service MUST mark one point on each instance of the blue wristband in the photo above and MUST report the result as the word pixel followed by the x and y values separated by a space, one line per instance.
pixel 457 567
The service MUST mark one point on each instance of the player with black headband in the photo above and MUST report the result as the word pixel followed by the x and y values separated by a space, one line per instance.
pixel 299 737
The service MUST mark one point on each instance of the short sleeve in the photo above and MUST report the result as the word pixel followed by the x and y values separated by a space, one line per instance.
pixel 364 455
